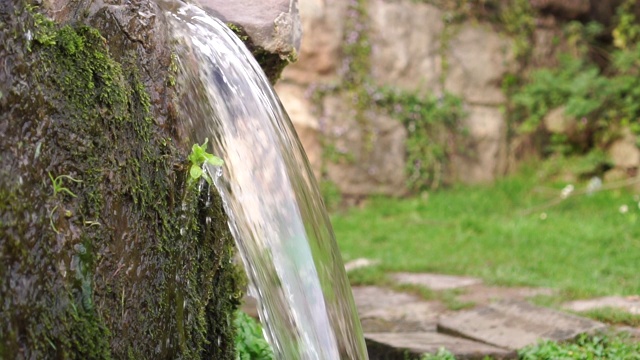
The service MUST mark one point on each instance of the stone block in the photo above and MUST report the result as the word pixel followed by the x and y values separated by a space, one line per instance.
pixel 436 281
pixel 516 324
pixel 401 346
pixel 272 25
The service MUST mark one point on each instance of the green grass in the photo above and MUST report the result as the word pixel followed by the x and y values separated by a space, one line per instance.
pixel 613 315
pixel 598 347
pixel 507 233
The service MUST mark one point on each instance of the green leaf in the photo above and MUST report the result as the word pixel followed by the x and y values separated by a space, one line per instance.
pixel 213 160
pixel 195 172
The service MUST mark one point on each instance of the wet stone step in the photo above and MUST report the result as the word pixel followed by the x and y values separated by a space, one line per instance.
pixel 516 324
pixel 412 345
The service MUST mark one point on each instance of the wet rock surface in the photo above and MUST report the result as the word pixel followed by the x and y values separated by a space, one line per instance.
pixel 106 250
pixel 270 29
pixel 272 25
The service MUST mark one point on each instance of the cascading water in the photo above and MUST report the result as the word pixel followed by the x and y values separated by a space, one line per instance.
pixel 276 213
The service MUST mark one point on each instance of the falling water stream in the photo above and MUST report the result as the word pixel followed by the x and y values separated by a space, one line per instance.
pixel 275 210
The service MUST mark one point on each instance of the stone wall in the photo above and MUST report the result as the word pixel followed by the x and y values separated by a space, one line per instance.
pixel 423 49
pixel 413 48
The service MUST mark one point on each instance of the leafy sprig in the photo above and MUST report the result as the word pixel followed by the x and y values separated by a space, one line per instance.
pixel 198 157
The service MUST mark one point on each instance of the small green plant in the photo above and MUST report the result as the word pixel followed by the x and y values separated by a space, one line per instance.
pixel 601 99
pixel 627 30
pixel 601 104
pixel 249 341
pixel 198 157
pixel 586 347
pixel 58 186
pixel 442 354
pixel 518 20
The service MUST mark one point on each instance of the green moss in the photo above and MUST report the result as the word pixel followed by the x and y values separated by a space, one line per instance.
pixel 173 70
pixel 242 35
pixel 139 262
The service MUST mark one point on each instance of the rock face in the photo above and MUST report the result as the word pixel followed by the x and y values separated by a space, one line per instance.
pixel 407 44
pixel 367 160
pixel 107 249
pixel 557 122
pixel 273 28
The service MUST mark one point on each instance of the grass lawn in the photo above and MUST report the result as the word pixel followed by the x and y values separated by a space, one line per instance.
pixel 518 231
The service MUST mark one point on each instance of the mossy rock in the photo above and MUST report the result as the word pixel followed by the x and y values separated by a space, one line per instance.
pixel 107 251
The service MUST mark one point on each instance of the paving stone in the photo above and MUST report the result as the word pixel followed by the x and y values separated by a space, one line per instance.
pixel 417 316
pixel 378 325
pixel 359 263
pixel 630 304
pixel 373 297
pixel 435 281
pixel 384 310
pixel 401 346
pixel 516 324
pixel 482 294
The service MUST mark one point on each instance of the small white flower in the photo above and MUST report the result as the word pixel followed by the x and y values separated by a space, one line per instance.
pixel 623 209
pixel 543 216
pixel 566 191
pixel 594 185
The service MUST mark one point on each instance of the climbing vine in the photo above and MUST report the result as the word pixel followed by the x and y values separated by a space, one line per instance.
pixel 432 124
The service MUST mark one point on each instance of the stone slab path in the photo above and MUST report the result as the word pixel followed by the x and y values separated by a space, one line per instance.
pixel 402 325
pixel 398 324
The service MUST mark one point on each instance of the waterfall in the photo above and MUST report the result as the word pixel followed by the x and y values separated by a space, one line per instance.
pixel 275 210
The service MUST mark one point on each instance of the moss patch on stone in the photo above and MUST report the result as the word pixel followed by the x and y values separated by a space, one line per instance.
pixel 131 262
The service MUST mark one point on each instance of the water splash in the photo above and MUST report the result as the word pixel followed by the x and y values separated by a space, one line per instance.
pixel 276 213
